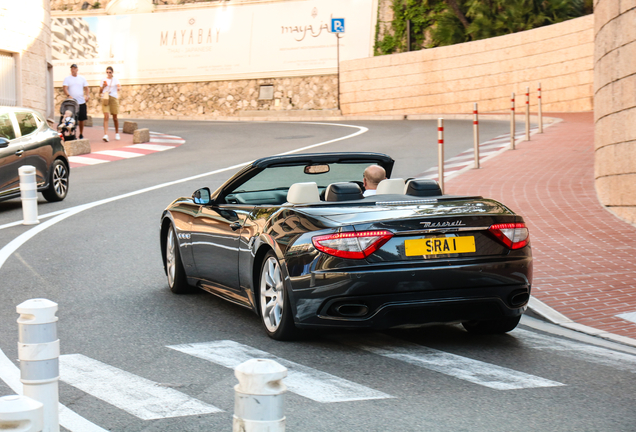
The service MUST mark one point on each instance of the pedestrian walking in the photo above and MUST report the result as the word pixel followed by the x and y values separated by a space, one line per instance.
pixel 75 86
pixel 110 101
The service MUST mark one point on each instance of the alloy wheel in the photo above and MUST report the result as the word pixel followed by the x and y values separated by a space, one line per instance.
pixel 171 262
pixel 272 294
pixel 60 180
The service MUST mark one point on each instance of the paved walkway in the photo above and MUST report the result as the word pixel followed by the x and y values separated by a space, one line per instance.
pixel 584 256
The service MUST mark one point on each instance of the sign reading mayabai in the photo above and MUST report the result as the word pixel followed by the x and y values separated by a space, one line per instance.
pixel 290 38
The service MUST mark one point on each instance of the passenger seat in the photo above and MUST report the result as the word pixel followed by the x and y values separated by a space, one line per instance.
pixel 303 193
pixel 391 186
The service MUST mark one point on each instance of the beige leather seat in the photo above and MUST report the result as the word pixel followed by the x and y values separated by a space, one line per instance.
pixel 391 186
pixel 303 193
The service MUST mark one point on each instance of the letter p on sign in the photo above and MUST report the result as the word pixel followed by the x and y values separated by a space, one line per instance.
pixel 337 25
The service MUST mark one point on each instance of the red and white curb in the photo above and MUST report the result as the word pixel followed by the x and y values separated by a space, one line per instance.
pixel 158 142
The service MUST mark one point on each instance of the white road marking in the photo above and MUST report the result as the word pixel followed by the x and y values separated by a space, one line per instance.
pixel 166 141
pixel 13 245
pixel 10 374
pixel 589 353
pixel 154 147
pixel 475 371
pixel 630 316
pixel 303 380
pixel 119 153
pixel 136 395
pixel 86 160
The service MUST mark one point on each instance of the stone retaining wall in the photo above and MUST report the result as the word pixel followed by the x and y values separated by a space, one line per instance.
pixel 615 106
pixel 449 79
pixel 219 98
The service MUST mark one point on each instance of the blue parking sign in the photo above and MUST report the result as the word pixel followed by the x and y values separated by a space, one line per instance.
pixel 337 25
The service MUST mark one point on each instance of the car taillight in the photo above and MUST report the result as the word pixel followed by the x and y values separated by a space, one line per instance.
pixel 352 245
pixel 513 235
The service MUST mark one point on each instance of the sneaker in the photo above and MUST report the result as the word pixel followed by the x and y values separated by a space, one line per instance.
pixel 81 136
pixel 117 137
pixel 105 138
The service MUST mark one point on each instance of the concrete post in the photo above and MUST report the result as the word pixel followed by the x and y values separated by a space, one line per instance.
pixel 440 153
pixel 39 352
pixel 512 122
pixel 29 194
pixel 476 134
pixel 259 397
pixel 527 113
pixel 540 110
pixel 20 414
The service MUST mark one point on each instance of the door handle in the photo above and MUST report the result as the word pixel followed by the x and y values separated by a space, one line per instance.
pixel 235 226
pixel 19 153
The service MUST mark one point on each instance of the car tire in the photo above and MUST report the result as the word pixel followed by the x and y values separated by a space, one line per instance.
pixel 273 301
pixel 502 325
pixel 58 182
pixel 177 280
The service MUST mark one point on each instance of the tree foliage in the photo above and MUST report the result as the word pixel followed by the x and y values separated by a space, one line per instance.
pixel 447 22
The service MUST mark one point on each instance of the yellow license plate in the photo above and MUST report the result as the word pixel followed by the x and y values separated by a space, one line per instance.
pixel 439 245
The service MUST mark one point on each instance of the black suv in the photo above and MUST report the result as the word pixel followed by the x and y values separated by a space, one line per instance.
pixel 26 139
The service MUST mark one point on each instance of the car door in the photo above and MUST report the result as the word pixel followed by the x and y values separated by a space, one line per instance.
pixel 37 152
pixel 10 155
pixel 215 243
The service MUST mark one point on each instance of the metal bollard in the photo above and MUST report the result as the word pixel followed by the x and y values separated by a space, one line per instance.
pixel 29 194
pixel 258 404
pixel 476 134
pixel 527 113
pixel 540 110
pixel 20 414
pixel 39 352
pixel 512 122
pixel 440 153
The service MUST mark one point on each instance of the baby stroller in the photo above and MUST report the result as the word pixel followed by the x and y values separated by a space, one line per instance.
pixel 69 110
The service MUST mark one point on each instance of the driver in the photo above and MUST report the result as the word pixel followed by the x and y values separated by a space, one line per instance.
pixel 373 175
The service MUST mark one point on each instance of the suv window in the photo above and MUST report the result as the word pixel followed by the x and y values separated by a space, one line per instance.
pixel 27 123
pixel 6 127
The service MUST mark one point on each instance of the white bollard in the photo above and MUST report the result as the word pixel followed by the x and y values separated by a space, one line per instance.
pixel 29 194
pixel 527 113
pixel 512 122
pixel 258 404
pixel 440 153
pixel 540 110
pixel 20 414
pixel 39 352
pixel 476 134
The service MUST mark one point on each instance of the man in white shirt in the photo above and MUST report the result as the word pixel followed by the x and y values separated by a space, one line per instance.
pixel 76 87
pixel 373 175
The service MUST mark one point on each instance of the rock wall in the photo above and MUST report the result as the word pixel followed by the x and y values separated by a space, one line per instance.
pixel 615 105
pixel 449 79
pixel 215 99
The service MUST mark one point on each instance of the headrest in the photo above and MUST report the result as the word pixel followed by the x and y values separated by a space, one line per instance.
pixel 422 187
pixel 391 186
pixel 303 193
pixel 344 191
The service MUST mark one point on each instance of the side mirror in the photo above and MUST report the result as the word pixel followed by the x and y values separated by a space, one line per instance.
pixel 201 196
pixel 4 143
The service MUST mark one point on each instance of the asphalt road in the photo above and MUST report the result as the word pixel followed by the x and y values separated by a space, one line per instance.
pixel 141 347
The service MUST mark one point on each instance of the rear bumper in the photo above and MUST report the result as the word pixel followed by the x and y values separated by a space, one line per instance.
pixel 410 296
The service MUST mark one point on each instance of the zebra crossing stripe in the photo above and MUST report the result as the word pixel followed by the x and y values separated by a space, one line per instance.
pixel 70 420
pixel 136 395
pixel 154 147
pixel 589 353
pixel 302 380
pixel 474 371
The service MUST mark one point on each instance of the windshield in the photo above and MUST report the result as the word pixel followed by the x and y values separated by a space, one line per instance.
pixel 273 178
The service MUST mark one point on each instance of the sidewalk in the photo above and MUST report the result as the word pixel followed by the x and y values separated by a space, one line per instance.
pixel 584 256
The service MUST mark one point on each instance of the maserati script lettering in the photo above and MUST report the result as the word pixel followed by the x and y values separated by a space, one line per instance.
pixel 442 224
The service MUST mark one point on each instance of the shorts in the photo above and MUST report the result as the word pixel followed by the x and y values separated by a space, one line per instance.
pixel 113 106
pixel 82 115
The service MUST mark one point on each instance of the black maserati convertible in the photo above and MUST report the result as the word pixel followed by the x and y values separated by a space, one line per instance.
pixel 294 239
